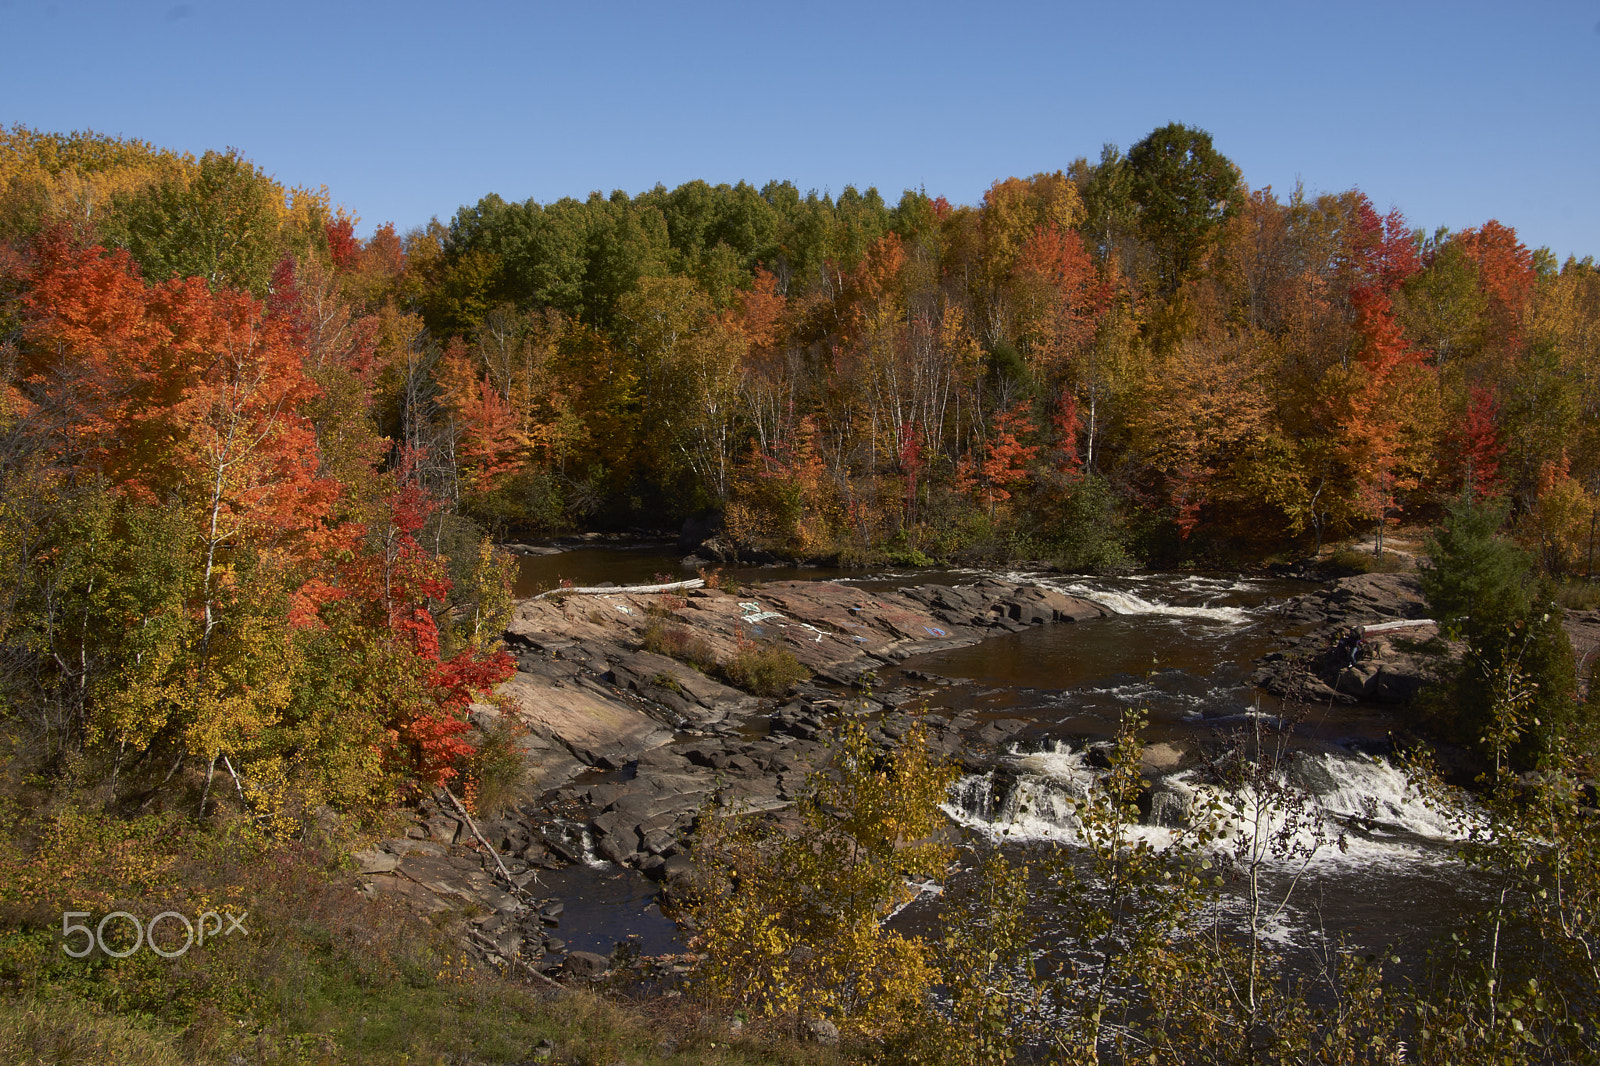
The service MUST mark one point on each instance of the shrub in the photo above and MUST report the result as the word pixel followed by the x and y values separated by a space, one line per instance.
pixel 906 556
pixel 498 772
pixel 678 643
pixel 792 926
pixel 1483 589
pixel 1578 596
pixel 668 682
pixel 1080 527
pixel 764 669
pixel 664 605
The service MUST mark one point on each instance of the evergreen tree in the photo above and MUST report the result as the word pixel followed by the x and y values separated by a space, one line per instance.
pixel 1484 591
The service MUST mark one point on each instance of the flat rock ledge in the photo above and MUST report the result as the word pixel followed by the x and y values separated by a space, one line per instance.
pixel 591 696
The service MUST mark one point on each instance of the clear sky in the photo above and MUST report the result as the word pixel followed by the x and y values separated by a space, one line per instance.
pixel 1454 112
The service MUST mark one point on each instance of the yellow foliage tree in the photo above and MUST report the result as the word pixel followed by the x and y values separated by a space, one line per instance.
pixel 1206 408
pixel 1564 520
pixel 792 925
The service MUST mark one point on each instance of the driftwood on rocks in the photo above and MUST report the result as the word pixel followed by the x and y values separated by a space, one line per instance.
pixel 603 590
pixel 489 848
pixel 491 948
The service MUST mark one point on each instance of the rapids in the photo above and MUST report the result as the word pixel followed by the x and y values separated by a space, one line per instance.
pixel 1374 861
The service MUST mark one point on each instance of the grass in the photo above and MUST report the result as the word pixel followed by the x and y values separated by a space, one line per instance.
pixel 482 1020
pixel 1361 561
pixel 1578 596
pixel 324 974
pixel 679 643
pixel 57 1030
pixel 500 771
pixel 668 682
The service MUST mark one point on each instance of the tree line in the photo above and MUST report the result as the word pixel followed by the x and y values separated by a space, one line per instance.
pixel 1137 355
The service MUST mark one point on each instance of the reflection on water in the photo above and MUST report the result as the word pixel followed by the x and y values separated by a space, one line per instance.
pixel 1179 647
pixel 608 905
pixel 639 565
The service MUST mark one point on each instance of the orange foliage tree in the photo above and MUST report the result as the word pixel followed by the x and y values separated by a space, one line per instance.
pixel 190 405
pixel 1004 459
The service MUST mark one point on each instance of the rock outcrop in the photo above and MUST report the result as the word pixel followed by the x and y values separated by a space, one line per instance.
pixel 442 869
pixel 592 696
pixel 1365 638
pixel 1368 639
pixel 624 745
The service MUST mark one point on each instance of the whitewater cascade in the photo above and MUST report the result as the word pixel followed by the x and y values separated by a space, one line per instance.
pixel 1361 808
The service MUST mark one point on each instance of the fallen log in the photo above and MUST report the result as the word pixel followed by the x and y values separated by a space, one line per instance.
pixel 516 889
pixel 1405 623
pixel 601 590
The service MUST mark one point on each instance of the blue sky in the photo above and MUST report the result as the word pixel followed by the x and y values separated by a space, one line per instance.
pixel 1455 113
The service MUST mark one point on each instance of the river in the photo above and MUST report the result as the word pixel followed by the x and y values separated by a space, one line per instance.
pixel 1179 647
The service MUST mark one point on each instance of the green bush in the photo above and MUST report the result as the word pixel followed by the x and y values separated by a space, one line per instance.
pixel 764 669
pixel 1483 590
pixel 1083 530
pixel 904 556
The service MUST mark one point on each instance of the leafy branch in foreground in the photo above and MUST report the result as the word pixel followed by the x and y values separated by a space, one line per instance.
pixel 792 922
pixel 1522 982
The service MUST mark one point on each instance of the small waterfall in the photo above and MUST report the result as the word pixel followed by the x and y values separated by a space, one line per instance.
pixel 1029 798
pixel 1338 809
pixel 1370 794
pixel 1129 603
pixel 577 843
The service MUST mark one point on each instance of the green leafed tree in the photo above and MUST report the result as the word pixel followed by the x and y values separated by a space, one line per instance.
pixel 1185 189
pixel 217 221
pixel 1483 589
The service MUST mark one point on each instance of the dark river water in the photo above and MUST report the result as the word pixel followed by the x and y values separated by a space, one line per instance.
pixel 1179 648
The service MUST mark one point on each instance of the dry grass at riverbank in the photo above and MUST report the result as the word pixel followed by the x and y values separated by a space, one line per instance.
pixel 323 975
pixel 487 1021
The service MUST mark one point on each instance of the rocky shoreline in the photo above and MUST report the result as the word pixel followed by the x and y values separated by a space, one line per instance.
pixel 1368 639
pixel 1362 639
pixel 625 745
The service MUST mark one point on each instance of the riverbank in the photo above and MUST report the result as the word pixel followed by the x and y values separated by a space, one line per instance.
pixel 1368 638
pixel 623 745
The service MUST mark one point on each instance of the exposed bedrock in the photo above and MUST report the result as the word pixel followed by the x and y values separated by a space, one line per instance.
pixel 624 745
pixel 1368 638
pixel 592 696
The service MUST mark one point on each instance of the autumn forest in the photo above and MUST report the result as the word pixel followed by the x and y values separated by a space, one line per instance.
pixel 254 468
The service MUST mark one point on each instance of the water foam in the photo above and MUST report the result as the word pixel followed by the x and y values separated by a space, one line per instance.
pixel 1371 793
pixel 1335 810
pixel 1122 601
pixel 1129 603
